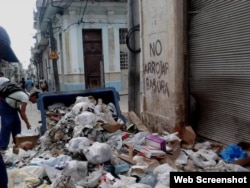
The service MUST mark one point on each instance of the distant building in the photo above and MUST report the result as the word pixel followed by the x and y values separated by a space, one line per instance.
pixel 89 47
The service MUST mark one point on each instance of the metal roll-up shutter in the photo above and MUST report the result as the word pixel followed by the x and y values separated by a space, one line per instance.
pixel 219 51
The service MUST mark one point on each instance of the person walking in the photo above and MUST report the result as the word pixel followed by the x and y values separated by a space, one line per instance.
pixel 42 84
pixel 7 54
pixel 22 84
pixel 29 84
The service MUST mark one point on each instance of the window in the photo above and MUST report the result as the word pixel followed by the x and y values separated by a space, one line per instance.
pixel 123 48
pixel 124 60
pixel 122 35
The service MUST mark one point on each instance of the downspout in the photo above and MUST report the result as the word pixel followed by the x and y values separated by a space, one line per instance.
pixel 133 43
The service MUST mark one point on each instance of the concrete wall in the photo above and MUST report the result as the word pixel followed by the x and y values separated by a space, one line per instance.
pixel 163 63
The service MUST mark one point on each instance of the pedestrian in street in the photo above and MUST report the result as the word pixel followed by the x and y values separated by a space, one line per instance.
pixel 22 83
pixel 42 84
pixel 29 84
pixel 46 87
pixel 7 54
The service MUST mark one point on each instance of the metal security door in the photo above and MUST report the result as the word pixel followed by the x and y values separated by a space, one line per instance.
pixel 219 50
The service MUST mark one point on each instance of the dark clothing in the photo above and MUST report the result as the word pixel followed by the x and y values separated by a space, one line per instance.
pixel 10 123
pixel 3 174
pixel 23 84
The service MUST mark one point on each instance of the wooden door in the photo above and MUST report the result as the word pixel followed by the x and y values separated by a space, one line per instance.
pixel 93 58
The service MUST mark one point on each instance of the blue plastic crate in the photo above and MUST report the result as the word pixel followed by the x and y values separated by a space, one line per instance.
pixel 108 94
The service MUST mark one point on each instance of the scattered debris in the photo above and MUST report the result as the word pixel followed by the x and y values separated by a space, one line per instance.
pixel 87 145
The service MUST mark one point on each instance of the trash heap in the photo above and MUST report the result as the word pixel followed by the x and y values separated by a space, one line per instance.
pixel 88 145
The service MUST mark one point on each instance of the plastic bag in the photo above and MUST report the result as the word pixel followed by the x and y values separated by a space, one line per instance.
pixel 149 179
pixel 171 137
pixel 38 171
pixel 98 153
pixel 62 182
pixel 139 138
pixel 52 173
pixel 163 174
pixel 124 181
pixel 232 153
pixel 23 179
pixel 115 141
pixel 75 145
pixel 80 107
pixel 56 162
pixel 81 99
pixel 92 180
pixel 85 118
pixel 138 185
pixel 29 132
pixel 76 169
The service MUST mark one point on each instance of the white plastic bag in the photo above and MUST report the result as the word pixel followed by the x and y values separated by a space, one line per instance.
pixel 75 145
pixel 124 181
pixel 85 118
pixel 80 107
pixel 62 182
pixel 163 174
pixel 76 169
pixel 92 180
pixel 98 153
pixel 29 132
pixel 38 171
pixel 22 179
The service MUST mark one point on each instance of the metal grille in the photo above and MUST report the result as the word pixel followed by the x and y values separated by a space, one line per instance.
pixel 122 35
pixel 219 49
pixel 123 54
pixel 124 60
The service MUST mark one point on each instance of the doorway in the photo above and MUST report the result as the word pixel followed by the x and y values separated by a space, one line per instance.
pixel 93 58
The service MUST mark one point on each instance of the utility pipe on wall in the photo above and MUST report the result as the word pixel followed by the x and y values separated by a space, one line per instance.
pixel 133 43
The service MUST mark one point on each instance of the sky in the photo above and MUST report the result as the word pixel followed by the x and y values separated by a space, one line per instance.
pixel 16 16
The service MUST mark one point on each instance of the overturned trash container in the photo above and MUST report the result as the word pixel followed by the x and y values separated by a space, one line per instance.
pixel 108 94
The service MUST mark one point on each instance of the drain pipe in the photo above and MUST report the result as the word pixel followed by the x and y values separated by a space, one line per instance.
pixel 133 44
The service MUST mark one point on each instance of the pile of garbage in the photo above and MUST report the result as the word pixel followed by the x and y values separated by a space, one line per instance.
pixel 88 145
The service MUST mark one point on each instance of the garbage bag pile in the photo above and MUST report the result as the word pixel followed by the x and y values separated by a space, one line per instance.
pixel 88 145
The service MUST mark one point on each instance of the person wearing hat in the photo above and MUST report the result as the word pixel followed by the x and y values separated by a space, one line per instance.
pixel 11 107
pixel 7 54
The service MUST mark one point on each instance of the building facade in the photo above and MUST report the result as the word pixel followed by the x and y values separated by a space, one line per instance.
pixel 81 44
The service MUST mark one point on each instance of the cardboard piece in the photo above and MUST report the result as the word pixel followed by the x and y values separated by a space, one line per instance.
pixel 136 120
pixel 33 139
pixel 128 158
pixel 186 134
pixel 111 128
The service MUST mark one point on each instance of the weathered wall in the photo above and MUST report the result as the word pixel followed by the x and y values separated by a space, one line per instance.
pixel 107 16
pixel 163 67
